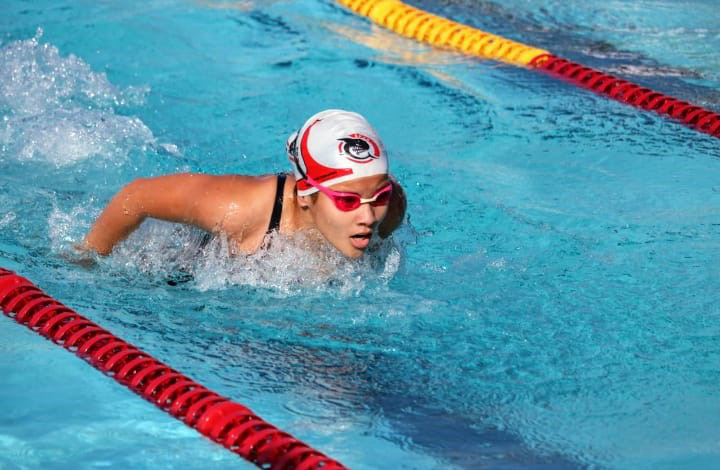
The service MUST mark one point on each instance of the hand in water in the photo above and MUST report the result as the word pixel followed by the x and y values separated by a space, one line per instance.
pixel 81 255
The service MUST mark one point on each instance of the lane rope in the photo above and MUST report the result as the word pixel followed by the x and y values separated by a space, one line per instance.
pixel 441 32
pixel 230 424
pixel 630 93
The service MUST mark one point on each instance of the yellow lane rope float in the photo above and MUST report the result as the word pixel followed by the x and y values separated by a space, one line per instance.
pixel 441 32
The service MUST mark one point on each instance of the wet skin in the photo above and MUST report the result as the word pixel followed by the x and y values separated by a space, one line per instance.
pixel 350 232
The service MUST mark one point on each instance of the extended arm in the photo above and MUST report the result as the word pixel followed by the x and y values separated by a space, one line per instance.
pixel 195 199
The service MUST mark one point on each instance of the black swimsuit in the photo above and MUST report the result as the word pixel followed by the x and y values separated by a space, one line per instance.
pixel 274 217
pixel 278 206
pixel 183 276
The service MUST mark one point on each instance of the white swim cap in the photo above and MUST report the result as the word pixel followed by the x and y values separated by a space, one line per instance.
pixel 335 146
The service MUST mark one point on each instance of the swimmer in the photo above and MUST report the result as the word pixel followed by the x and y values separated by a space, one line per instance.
pixel 340 191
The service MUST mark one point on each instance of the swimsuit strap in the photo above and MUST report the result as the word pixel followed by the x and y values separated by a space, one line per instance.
pixel 277 208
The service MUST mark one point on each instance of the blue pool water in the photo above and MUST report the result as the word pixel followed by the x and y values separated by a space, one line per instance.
pixel 551 300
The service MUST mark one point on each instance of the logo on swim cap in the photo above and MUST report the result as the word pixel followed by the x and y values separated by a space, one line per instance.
pixel 359 148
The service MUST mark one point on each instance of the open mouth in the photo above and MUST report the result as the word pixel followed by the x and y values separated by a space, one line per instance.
pixel 360 240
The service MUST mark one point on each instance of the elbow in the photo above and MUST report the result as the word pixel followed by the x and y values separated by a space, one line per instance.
pixel 129 200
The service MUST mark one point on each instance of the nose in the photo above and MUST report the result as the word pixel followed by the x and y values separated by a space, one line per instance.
pixel 366 215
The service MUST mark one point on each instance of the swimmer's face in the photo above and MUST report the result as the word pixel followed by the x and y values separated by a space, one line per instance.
pixel 350 232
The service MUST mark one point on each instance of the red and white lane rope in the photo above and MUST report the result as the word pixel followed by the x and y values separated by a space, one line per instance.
pixel 230 424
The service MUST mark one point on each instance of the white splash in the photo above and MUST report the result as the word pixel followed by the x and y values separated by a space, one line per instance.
pixel 288 264
pixel 66 229
pixel 56 109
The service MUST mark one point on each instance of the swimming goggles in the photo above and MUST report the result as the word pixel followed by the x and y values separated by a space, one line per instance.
pixel 347 202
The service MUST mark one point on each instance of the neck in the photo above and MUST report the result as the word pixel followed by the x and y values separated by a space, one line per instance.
pixel 300 219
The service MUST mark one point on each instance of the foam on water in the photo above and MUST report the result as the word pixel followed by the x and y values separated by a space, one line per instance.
pixel 56 109
pixel 179 254
pixel 314 265
pixel 66 229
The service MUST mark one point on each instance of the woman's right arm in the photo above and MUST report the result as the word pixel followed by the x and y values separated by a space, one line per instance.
pixel 118 220
pixel 190 198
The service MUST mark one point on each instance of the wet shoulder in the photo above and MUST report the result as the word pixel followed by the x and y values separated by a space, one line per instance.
pixel 248 207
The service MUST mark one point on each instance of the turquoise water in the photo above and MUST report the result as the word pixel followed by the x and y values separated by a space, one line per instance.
pixel 550 301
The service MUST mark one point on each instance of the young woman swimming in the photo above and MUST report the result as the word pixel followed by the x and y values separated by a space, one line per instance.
pixel 340 189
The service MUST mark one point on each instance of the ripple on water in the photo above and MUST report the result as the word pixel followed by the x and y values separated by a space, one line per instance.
pixel 14 450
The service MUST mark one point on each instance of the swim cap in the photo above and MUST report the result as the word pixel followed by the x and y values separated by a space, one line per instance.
pixel 335 146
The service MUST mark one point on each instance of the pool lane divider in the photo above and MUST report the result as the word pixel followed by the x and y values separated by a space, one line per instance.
pixel 228 423
pixel 441 32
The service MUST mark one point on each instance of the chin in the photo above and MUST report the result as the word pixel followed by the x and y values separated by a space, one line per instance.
pixel 352 252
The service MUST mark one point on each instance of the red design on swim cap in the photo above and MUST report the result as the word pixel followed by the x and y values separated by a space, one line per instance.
pixel 315 170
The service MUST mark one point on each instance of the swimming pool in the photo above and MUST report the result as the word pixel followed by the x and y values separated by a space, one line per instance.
pixel 550 300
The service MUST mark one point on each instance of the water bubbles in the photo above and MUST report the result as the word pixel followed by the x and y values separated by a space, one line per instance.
pixel 56 109
pixel 66 229
pixel 169 149
pixel 293 263
pixel 7 219
pixel 287 265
